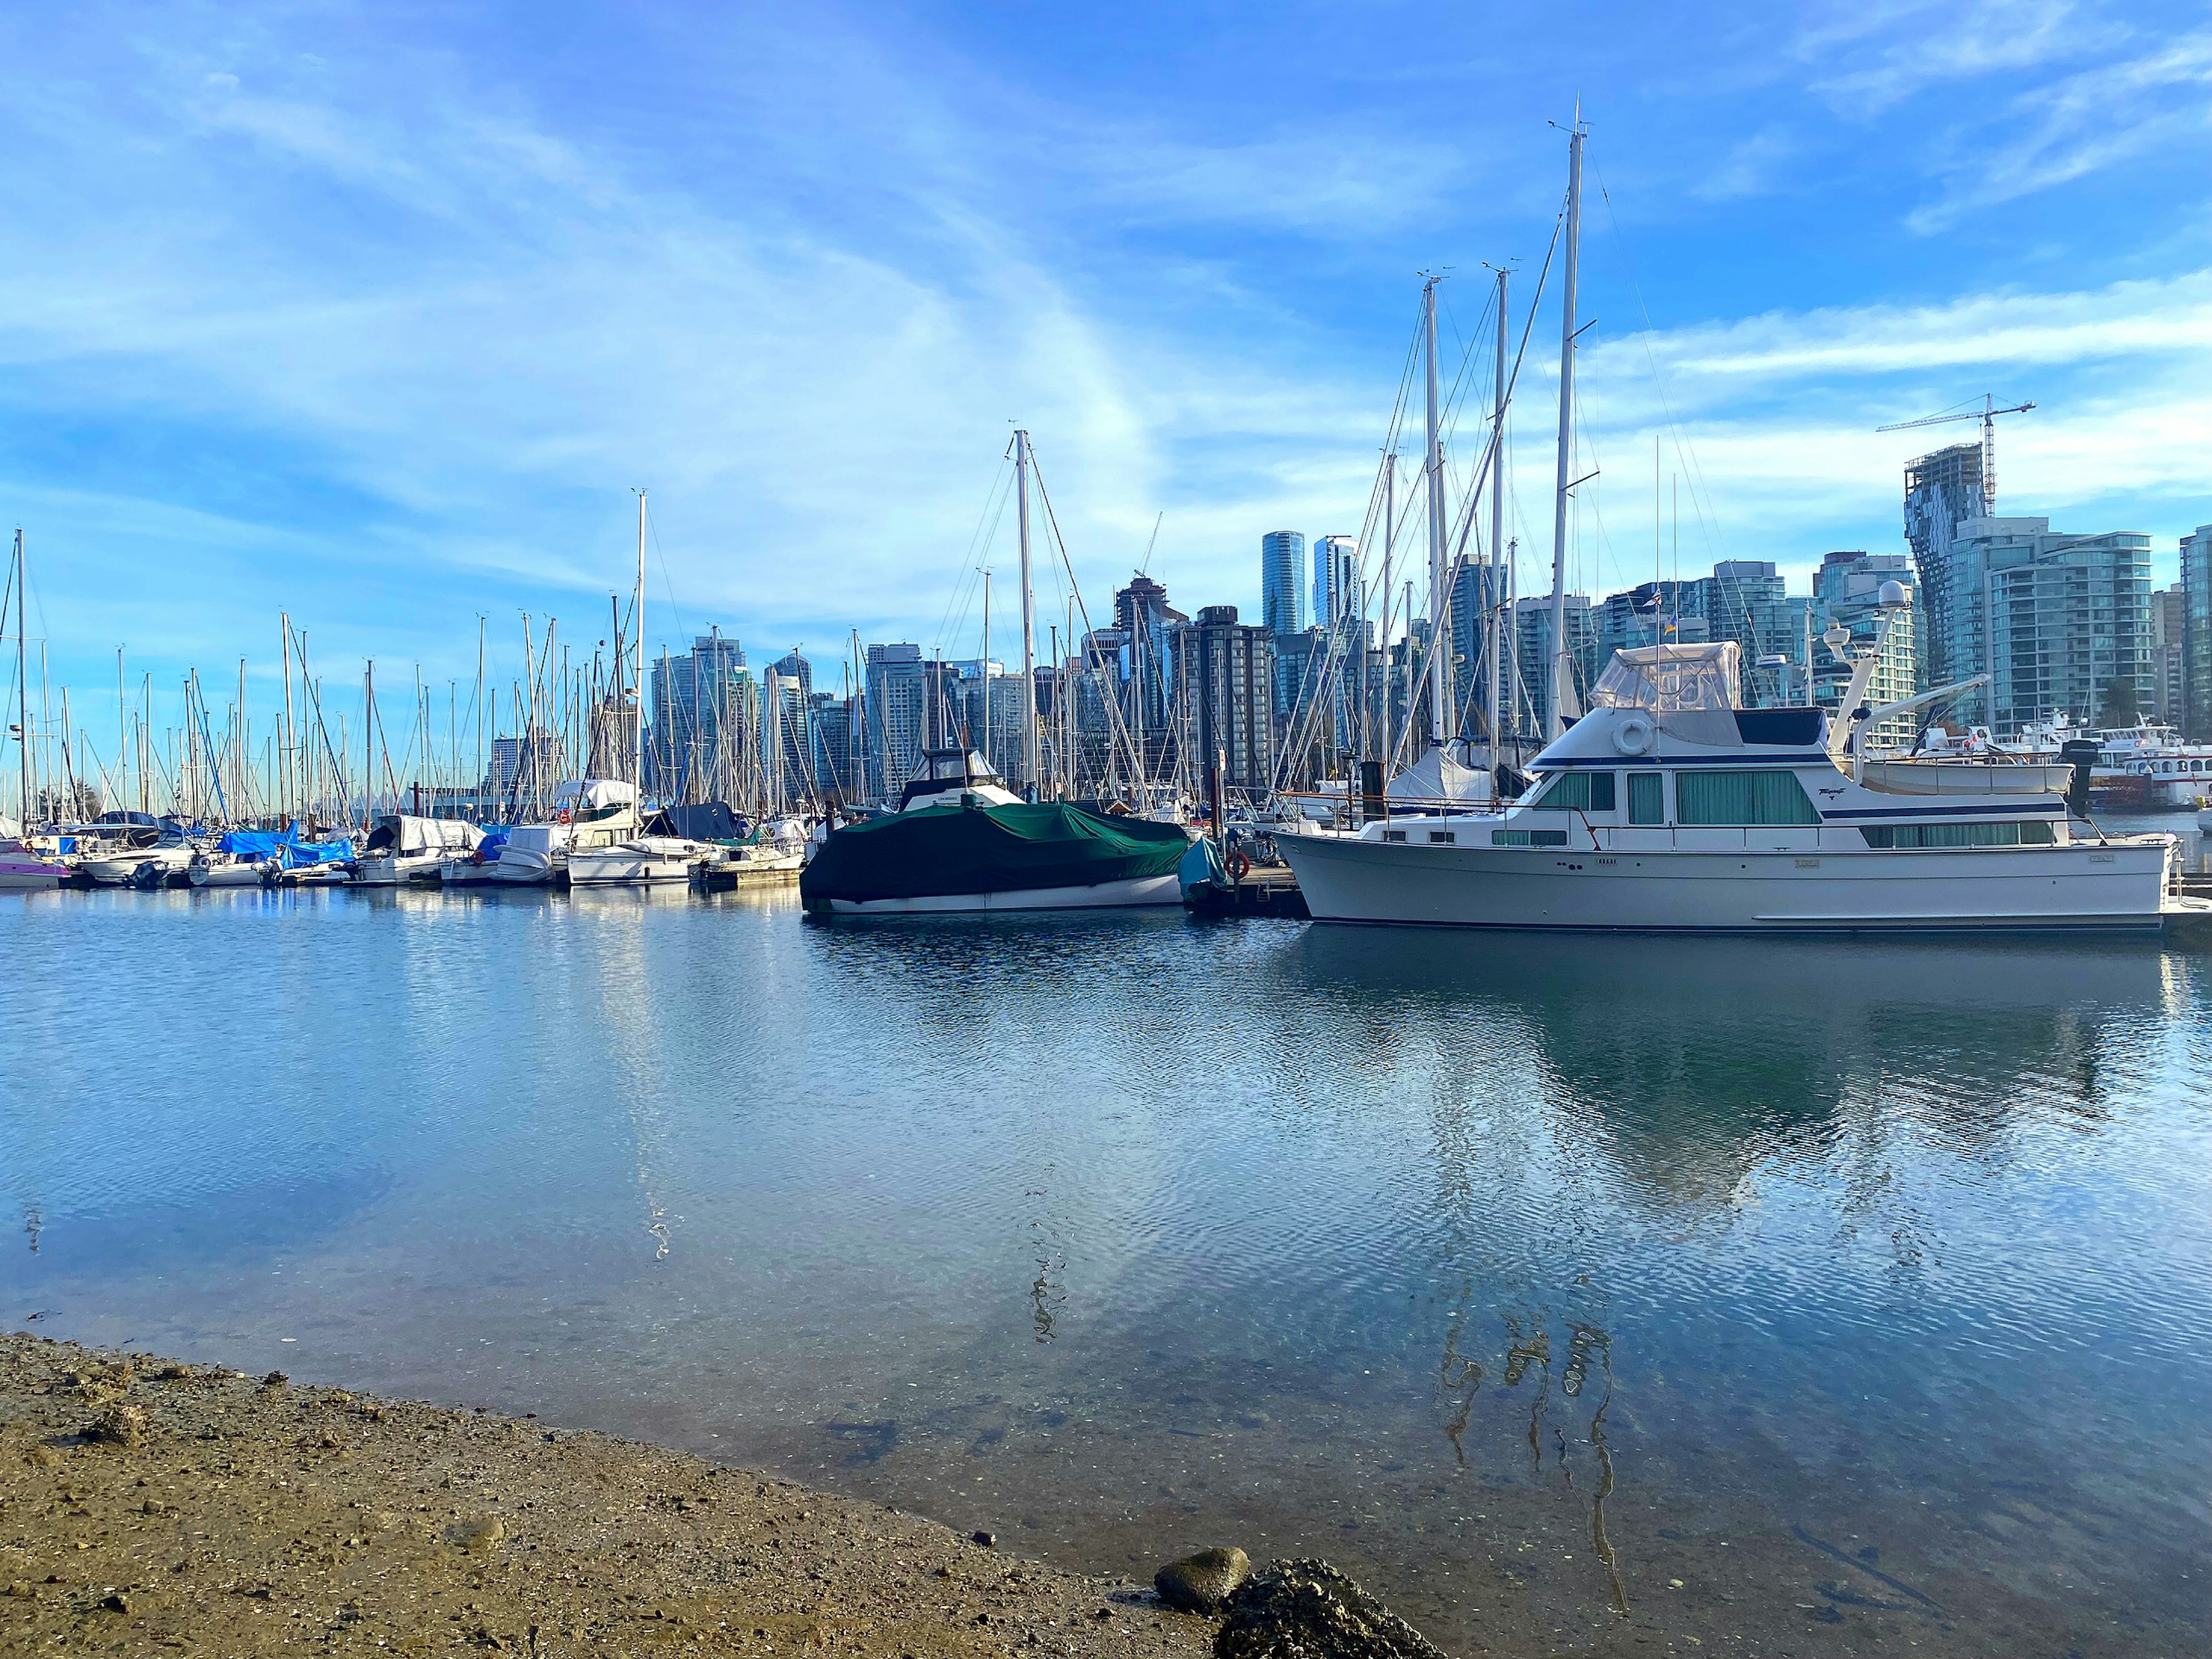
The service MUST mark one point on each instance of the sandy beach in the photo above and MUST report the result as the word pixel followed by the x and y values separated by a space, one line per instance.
pixel 153 1507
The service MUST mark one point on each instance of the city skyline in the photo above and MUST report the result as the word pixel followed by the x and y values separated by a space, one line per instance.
pixel 311 313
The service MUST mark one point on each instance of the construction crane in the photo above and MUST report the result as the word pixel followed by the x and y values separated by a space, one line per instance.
pixel 1987 415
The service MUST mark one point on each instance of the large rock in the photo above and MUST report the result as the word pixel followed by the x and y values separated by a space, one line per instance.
pixel 1308 1610
pixel 1202 1583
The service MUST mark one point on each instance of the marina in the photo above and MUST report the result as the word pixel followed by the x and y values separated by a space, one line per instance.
pixel 1107 834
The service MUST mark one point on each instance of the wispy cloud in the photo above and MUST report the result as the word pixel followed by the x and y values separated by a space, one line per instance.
pixel 2079 124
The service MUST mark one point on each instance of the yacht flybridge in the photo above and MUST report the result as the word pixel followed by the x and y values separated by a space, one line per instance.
pixel 1667 808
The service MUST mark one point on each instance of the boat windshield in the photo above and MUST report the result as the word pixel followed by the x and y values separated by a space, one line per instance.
pixel 1666 678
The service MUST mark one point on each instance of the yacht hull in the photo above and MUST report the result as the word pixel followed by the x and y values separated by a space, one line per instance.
pixel 630 866
pixel 1105 895
pixel 2081 886
pixel 388 870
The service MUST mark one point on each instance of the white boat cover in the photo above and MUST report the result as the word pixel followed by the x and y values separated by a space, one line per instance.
pixel 1665 679
pixel 417 836
pixel 1437 777
pixel 1920 777
pixel 595 794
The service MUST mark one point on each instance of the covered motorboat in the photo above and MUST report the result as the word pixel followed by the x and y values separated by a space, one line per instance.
pixel 402 847
pixel 962 841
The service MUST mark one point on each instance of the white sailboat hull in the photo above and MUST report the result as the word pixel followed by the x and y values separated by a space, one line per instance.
pixel 1137 890
pixel 1762 884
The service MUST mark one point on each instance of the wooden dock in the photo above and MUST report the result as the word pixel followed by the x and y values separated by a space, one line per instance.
pixel 1269 892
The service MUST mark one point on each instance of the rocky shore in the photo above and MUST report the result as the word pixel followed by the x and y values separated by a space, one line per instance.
pixel 148 1507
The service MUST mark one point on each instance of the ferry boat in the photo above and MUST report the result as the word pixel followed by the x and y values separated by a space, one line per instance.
pixel 1667 808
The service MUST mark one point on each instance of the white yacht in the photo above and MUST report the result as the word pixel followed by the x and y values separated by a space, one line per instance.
pixel 641 862
pixel 1667 808
pixel 593 813
pixel 402 847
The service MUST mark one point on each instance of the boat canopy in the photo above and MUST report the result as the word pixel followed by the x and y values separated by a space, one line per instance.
pixel 1437 777
pixel 1669 678
pixel 403 834
pixel 708 820
pixel 596 794
pixel 255 843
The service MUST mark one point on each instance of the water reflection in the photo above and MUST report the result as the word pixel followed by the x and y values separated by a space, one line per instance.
pixel 1497 1267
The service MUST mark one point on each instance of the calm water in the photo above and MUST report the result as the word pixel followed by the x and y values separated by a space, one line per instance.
pixel 1864 1289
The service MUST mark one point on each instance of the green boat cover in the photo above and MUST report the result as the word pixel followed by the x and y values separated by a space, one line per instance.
pixel 944 850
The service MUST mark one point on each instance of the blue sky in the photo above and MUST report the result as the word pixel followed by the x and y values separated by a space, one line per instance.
pixel 375 314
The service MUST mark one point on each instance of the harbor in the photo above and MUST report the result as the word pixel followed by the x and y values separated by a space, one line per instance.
pixel 963 833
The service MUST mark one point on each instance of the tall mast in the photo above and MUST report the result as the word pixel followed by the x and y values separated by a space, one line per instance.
pixel 987 664
pixel 1562 668
pixel 1389 535
pixel 1031 770
pixel 637 684
pixel 1494 598
pixel 1439 621
pixel 22 694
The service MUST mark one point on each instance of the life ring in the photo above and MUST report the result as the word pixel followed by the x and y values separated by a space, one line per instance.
pixel 1633 734
pixel 1239 866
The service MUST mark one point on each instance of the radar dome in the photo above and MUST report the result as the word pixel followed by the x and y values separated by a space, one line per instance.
pixel 1893 593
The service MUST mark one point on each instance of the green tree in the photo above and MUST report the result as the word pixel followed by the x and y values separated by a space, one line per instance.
pixel 2119 707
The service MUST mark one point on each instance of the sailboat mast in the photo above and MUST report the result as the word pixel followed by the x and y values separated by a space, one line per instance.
pixel 1562 667
pixel 637 684
pixel 1439 651
pixel 986 665
pixel 1031 771
pixel 23 696
pixel 1495 596
pixel 1389 535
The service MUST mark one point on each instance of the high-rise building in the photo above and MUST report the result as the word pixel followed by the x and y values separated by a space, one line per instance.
pixel 1478 587
pixel 1336 592
pixel 1871 596
pixel 786 729
pixel 1145 618
pixel 1942 492
pixel 2162 699
pixel 2060 623
pixel 895 699
pixel 2196 633
pixel 1282 581
pixel 1532 622
pixel 1225 697
pixel 694 696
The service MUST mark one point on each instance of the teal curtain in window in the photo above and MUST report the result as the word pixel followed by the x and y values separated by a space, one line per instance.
pixel 1646 798
pixel 1741 798
pixel 1582 792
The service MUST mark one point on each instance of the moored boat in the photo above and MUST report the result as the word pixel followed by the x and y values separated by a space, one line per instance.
pixel 1665 808
pixel 960 841
pixel 402 847
pixel 24 870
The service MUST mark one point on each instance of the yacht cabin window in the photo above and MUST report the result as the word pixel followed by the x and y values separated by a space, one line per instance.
pixel 1749 797
pixel 1959 834
pixel 1582 792
pixel 1646 798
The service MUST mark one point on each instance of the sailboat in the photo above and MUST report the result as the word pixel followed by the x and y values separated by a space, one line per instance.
pixel 635 859
pixel 963 841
